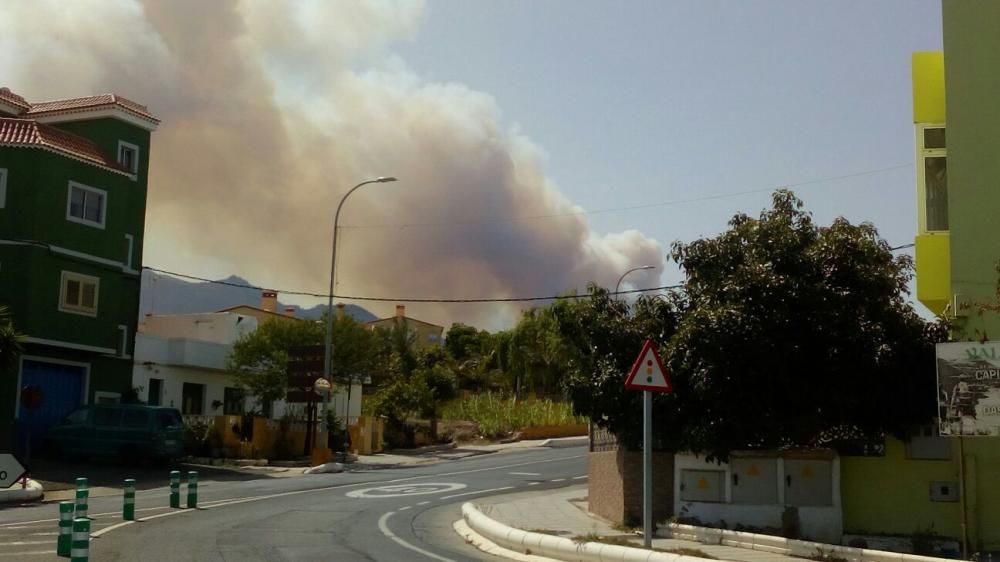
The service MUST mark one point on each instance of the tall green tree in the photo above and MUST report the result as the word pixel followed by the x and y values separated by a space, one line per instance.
pixel 793 335
pixel 259 359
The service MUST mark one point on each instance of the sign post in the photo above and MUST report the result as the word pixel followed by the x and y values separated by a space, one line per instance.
pixel 649 376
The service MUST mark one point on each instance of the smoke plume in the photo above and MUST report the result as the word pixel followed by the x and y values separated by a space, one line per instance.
pixel 271 112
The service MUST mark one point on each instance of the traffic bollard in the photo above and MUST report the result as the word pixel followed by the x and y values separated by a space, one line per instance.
pixel 128 508
pixel 175 489
pixel 65 541
pixel 82 494
pixel 192 489
pixel 81 541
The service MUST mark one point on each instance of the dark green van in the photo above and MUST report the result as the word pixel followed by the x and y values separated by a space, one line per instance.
pixel 130 431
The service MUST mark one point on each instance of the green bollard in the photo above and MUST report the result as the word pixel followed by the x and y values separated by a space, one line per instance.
pixel 81 541
pixel 192 489
pixel 82 494
pixel 175 489
pixel 65 541
pixel 128 508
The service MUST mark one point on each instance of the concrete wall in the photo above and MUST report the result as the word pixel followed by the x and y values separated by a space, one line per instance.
pixel 971 60
pixel 219 327
pixel 818 522
pixel 615 485
pixel 891 494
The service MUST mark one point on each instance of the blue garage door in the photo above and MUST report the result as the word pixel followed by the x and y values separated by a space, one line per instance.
pixel 62 392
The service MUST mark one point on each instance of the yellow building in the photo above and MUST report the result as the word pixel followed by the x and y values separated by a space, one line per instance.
pixel 426 334
pixel 268 309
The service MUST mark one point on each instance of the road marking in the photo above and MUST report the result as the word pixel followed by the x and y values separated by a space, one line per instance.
pixel 474 492
pixel 404 508
pixel 25 543
pixel 558 480
pixel 580 477
pixel 526 473
pixel 224 503
pixel 405 490
pixel 384 527
pixel 423 503
pixel 33 553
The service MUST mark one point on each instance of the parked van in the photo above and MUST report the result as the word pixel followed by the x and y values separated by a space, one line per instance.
pixel 131 431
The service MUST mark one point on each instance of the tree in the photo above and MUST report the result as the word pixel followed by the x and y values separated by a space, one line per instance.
pixel 259 359
pixel 10 343
pixel 600 338
pixel 793 335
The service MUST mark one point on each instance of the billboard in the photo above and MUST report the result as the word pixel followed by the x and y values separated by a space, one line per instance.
pixel 969 388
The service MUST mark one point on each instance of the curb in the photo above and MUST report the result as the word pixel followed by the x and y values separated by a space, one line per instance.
pixel 559 547
pixel 787 547
pixel 565 442
pixel 16 494
pixel 490 547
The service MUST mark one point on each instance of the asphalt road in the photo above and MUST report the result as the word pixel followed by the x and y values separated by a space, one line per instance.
pixel 386 515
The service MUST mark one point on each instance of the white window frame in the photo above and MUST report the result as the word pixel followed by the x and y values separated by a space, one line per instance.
pixel 80 220
pixel 3 187
pixel 81 278
pixel 123 352
pixel 135 157
pixel 921 177
pixel 131 248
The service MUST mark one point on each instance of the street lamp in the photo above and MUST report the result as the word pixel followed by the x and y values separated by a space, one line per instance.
pixel 620 279
pixel 328 341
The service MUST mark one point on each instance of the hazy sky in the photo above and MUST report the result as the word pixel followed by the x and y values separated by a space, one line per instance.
pixel 656 101
pixel 488 112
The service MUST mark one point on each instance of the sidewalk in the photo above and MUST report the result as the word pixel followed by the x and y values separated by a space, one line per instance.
pixel 563 512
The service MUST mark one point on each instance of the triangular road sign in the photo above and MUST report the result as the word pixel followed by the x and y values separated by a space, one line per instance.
pixel 648 372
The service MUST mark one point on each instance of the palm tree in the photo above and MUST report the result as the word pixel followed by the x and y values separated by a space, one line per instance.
pixel 10 343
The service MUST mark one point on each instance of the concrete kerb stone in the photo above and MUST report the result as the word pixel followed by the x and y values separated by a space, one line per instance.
pixel 789 547
pixel 490 547
pixel 559 547
pixel 16 494
pixel 565 442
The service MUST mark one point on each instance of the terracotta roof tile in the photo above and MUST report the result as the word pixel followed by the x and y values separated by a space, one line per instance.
pixel 13 99
pixel 29 133
pixel 90 102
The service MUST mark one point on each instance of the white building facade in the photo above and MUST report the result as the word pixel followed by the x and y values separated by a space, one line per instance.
pixel 180 362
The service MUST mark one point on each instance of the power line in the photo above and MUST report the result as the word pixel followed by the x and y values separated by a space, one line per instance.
pixel 526 218
pixel 413 300
pixel 425 300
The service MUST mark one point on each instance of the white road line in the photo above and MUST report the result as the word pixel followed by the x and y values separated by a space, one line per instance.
pixel 580 477
pixel 91 517
pixel 423 503
pixel 24 543
pixel 404 508
pixel 558 480
pixel 477 492
pixel 526 473
pixel 533 483
pixel 223 503
pixel 33 553
pixel 384 527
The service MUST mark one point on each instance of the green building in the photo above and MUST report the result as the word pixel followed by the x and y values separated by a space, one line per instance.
pixel 949 486
pixel 73 178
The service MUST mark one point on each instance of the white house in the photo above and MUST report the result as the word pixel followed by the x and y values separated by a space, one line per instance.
pixel 180 361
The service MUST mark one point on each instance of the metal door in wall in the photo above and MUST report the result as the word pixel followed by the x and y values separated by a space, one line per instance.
pixel 62 392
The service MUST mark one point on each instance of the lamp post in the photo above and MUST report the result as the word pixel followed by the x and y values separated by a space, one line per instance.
pixel 620 279
pixel 647 450
pixel 328 340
